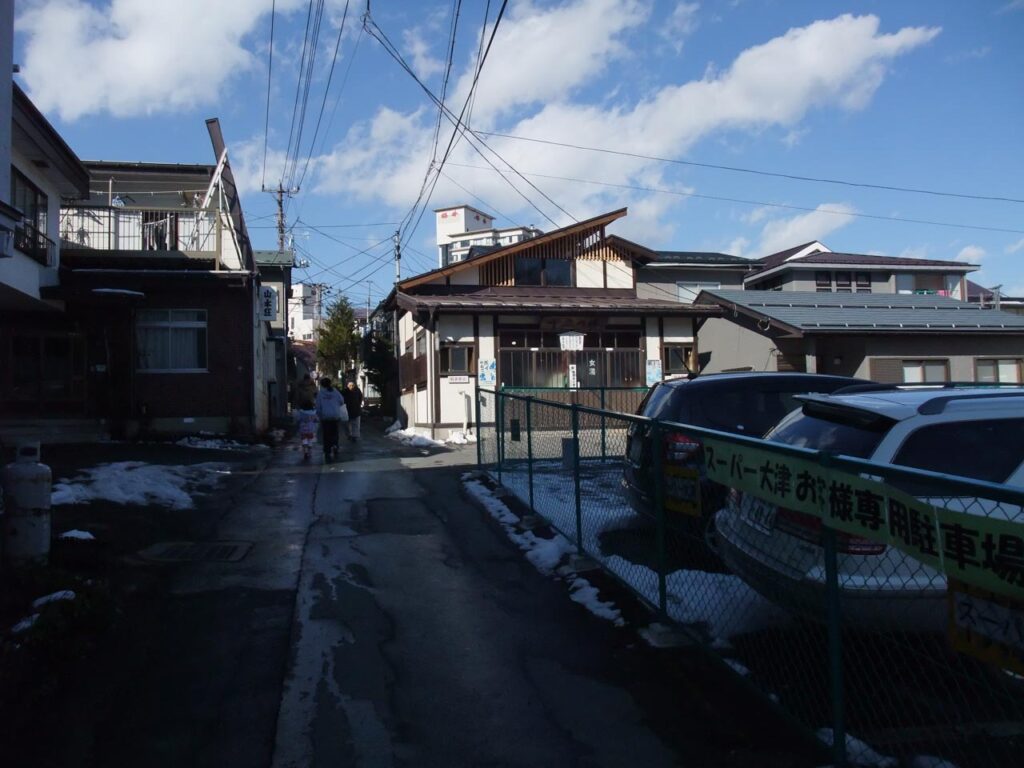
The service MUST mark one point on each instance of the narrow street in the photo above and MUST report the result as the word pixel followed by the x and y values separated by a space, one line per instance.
pixel 381 619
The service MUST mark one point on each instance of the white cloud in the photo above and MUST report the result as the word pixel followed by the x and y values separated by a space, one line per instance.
pixel 680 25
pixel 738 246
pixel 779 234
pixel 973 53
pixel 542 55
pixel 914 252
pixel 531 79
pixel 1013 5
pixel 1014 247
pixel 423 63
pixel 971 254
pixel 135 57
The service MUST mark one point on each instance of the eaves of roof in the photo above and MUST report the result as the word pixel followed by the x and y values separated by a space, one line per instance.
pixel 589 224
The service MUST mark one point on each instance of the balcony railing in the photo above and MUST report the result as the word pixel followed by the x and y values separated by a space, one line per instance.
pixel 34 244
pixel 139 229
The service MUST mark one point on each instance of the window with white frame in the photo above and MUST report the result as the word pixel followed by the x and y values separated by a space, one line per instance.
pixel 925 371
pixel 688 290
pixel 999 371
pixel 171 340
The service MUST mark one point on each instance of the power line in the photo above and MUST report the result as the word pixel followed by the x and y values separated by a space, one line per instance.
pixel 389 47
pixel 298 91
pixel 327 90
pixel 758 172
pixel 270 66
pixel 761 203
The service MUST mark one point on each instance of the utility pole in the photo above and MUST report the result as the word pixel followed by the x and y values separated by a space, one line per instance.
pixel 279 195
pixel 398 277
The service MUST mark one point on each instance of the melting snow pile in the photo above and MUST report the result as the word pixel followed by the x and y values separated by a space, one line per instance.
pixel 53 597
pixel 544 554
pixel 78 535
pixel 395 426
pixel 135 482
pixel 217 444
pixel 412 438
pixel 458 437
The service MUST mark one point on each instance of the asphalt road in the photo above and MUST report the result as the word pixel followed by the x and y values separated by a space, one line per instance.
pixel 381 619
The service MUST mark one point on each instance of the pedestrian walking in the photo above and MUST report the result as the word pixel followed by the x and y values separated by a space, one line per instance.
pixel 353 397
pixel 330 407
pixel 307 421
pixel 305 394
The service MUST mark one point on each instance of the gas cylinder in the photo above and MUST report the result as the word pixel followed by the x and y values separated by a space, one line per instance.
pixel 27 485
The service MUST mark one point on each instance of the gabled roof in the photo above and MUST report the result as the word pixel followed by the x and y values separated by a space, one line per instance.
pixel 581 229
pixel 775 263
pixel 803 312
pixel 775 259
pixel 702 258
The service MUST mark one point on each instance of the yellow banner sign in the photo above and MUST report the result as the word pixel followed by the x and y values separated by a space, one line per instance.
pixel 982 549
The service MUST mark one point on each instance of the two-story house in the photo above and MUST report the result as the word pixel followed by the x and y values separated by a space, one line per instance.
pixel 558 310
pixel 889 319
pixel 159 279
pixel 42 368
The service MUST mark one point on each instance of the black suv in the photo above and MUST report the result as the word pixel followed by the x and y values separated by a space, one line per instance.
pixel 741 403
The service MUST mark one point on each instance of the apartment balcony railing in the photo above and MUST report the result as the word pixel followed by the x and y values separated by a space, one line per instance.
pixel 139 229
pixel 34 244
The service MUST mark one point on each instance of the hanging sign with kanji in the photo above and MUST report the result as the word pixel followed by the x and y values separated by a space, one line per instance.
pixel 985 551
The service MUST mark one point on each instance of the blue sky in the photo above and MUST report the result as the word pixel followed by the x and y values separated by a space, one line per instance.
pixel 925 95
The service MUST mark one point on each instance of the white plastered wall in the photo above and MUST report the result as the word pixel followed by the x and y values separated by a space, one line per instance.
pixel 620 274
pixel 455 394
pixel 589 274
pixel 653 340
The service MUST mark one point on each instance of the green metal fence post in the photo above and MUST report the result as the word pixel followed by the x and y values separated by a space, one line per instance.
pixel 479 435
pixel 499 404
pixel 835 647
pixel 604 443
pixel 529 449
pixel 576 476
pixel 657 468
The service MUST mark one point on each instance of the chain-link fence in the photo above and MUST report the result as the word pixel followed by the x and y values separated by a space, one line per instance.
pixel 861 598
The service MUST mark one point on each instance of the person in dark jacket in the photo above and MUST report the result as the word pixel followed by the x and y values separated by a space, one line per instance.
pixel 354 405
pixel 305 394
pixel 330 407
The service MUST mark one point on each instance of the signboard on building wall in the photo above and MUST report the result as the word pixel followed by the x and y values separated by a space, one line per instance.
pixel 571 341
pixel 487 375
pixel 653 372
pixel 268 303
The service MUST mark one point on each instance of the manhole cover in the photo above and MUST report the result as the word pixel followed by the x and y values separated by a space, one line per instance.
pixel 193 552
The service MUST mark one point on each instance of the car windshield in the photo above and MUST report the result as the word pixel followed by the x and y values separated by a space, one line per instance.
pixel 851 437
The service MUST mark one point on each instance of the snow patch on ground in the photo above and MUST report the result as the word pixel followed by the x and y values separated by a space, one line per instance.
pixel 218 444
pixel 458 437
pixel 394 426
pixel 25 624
pixel 544 554
pixel 135 482
pixel 53 597
pixel 858 752
pixel 412 438
pixel 78 535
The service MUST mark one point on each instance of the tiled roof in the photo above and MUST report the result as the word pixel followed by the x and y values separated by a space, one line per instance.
pixel 550 300
pixel 806 312
pixel 275 258
pixel 702 257
pixel 850 259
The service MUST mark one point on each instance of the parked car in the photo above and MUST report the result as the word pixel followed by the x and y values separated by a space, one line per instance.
pixel 740 403
pixel 976 433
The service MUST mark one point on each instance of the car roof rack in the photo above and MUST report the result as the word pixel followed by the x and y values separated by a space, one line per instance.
pixel 938 404
pixel 872 386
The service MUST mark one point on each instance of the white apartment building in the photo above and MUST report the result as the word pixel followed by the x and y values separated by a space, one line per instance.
pixel 305 311
pixel 463 227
